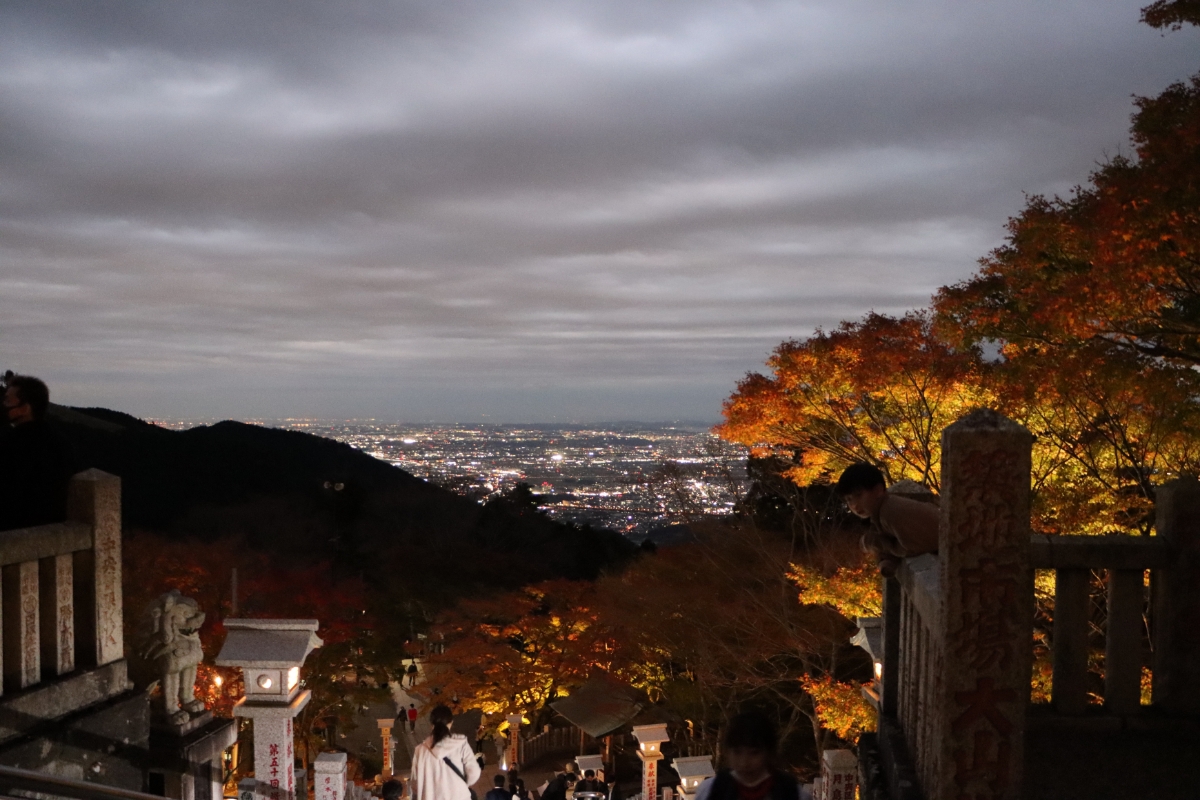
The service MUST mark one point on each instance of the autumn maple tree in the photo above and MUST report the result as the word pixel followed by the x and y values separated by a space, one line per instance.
pixel 879 390
pixel 519 651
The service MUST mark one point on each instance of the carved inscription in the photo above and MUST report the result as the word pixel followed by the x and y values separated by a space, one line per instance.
pixel 31 668
pixel 65 617
pixel 984 619
pixel 986 514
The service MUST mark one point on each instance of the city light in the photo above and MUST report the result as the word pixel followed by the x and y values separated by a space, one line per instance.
pixel 606 477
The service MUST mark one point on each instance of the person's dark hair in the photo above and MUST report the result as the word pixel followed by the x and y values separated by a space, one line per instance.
pixel 589 773
pixel 751 729
pixel 857 477
pixel 441 717
pixel 392 790
pixel 499 781
pixel 569 777
pixel 518 786
pixel 33 391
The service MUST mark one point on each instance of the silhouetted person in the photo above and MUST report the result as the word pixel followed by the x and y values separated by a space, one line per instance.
pixel 591 783
pixel 392 789
pixel 498 792
pixel 558 787
pixel 35 461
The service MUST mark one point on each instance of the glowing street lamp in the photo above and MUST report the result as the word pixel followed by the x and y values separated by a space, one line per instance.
pixel 650 740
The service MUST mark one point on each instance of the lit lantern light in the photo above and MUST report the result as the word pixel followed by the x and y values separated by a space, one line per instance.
pixel 650 740
pixel 693 771
pixel 270 653
pixel 218 680
pixel 870 638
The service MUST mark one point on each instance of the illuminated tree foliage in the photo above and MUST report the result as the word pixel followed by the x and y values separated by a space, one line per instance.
pixel 854 591
pixel 879 391
pixel 1118 261
pixel 841 706
pixel 1092 309
pixel 712 627
pixel 519 651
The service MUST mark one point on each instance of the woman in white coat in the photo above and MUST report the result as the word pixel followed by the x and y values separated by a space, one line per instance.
pixel 444 766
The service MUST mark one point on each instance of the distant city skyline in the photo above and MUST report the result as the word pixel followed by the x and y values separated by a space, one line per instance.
pixel 517 212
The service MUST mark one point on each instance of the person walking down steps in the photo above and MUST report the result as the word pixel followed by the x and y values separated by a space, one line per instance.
pixel 444 765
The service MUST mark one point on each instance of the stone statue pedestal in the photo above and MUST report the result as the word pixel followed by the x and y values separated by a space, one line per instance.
pixel 186 758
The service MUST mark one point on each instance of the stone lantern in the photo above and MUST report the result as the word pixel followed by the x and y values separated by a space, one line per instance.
pixel 593 762
pixel 693 771
pixel 513 754
pixel 650 739
pixel 270 653
pixel 870 638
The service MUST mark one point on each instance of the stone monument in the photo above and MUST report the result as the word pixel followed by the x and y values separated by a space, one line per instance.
pixel 186 742
pixel 173 646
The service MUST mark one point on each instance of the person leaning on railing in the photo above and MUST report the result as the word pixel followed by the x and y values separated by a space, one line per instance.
pixel 900 526
pixel 36 463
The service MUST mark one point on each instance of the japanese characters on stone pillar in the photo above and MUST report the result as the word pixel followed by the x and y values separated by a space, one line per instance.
pixel 95 498
pixel 650 740
pixel 513 756
pixel 270 653
pixel 988 616
pixel 385 733
pixel 839 775
pixel 329 770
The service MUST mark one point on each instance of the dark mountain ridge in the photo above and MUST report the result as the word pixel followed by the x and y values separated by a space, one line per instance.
pixel 303 497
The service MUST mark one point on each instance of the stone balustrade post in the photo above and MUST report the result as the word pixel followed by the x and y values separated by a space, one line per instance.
pixel 1176 600
pixel 22 625
pixel 981 694
pixel 329 771
pixel 94 498
pixel 839 775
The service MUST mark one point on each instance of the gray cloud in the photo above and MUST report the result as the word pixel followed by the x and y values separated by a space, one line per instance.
pixel 529 210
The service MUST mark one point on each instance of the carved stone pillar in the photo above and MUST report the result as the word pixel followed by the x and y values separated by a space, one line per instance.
pixel 95 498
pixel 983 691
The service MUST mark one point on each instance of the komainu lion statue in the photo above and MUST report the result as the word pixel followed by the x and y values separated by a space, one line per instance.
pixel 173 646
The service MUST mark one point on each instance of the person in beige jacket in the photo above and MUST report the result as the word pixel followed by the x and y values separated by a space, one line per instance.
pixel 444 766
pixel 900 526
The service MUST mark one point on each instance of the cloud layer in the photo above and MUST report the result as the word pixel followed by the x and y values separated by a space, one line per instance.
pixel 533 211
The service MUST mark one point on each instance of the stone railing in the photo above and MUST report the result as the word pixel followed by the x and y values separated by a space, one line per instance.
pixel 958 626
pixel 60 603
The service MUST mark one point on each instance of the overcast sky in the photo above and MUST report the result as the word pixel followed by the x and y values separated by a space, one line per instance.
pixel 516 211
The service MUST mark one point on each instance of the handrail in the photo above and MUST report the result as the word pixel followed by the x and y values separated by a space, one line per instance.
pixel 43 783
pixel 1099 552
pixel 43 541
